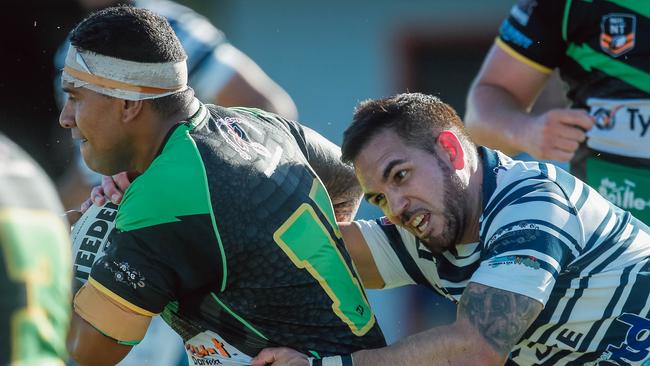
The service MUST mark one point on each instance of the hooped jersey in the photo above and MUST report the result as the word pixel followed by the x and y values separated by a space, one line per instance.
pixel 546 235
pixel 35 264
pixel 231 237
pixel 602 50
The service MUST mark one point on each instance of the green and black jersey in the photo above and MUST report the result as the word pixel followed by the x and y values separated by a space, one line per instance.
pixel 602 50
pixel 231 236
pixel 35 264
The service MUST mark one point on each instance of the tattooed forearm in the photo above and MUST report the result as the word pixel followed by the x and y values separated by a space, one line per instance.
pixel 500 316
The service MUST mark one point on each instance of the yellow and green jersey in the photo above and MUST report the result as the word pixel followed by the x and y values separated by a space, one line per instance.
pixel 35 264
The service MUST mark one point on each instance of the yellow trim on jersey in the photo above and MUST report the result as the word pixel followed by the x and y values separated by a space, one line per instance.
pixel 509 50
pixel 115 297
pixel 109 317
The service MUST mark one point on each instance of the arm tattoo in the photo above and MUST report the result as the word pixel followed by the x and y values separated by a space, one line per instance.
pixel 500 316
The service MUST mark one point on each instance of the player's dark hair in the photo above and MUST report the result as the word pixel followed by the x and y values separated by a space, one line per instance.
pixel 415 117
pixel 134 34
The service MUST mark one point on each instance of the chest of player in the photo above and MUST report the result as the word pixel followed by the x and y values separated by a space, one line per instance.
pixel 614 32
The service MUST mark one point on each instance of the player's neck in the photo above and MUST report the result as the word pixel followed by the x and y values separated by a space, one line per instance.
pixel 149 136
pixel 474 204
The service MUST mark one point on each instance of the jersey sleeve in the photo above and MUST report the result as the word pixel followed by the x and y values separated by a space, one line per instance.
pixel 386 249
pixel 530 235
pixel 532 33
pixel 135 274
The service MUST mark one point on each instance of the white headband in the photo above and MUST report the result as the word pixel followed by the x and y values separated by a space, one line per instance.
pixel 122 78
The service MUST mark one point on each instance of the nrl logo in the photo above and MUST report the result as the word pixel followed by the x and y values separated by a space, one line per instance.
pixel 617 33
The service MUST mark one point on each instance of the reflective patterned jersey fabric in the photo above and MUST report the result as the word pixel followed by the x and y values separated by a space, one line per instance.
pixel 546 235
pixel 35 265
pixel 602 49
pixel 232 237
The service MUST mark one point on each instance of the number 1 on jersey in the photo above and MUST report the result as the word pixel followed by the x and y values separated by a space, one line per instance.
pixel 305 239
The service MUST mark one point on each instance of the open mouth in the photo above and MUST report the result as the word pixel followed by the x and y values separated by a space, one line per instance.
pixel 420 222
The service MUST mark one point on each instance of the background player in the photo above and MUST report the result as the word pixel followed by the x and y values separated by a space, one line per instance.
pixel 35 268
pixel 601 51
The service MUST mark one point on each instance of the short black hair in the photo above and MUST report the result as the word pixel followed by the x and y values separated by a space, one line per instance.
pixel 128 33
pixel 134 34
pixel 415 117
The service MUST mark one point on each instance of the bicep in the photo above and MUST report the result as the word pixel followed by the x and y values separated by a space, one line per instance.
pixel 361 256
pixel 87 346
pixel 500 317
pixel 102 331
pixel 512 73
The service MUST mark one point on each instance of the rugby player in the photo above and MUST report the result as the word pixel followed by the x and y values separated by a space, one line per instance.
pixel 545 271
pixel 600 50
pixel 227 231
pixel 35 268
pixel 218 72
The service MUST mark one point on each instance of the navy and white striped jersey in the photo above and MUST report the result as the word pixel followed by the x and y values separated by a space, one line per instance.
pixel 209 55
pixel 549 236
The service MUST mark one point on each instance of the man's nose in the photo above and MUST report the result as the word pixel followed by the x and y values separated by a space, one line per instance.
pixel 397 205
pixel 66 118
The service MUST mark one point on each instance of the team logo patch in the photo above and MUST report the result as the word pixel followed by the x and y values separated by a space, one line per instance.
pixel 232 132
pixel 606 118
pixel 528 261
pixel 122 272
pixel 385 221
pixel 617 33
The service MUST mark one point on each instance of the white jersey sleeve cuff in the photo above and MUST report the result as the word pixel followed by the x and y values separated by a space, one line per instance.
pixel 534 283
pixel 391 269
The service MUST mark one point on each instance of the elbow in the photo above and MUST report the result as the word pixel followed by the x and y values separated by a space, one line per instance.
pixel 488 358
pixel 481 354
pixel 476 349
pixel 472 117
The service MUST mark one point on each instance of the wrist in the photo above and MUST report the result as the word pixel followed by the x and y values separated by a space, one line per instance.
pixel 344 360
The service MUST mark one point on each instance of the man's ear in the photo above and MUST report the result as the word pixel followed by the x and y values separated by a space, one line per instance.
pixel 450 144
pixel 131 109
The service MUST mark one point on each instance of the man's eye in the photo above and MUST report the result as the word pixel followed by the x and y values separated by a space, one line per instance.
pixel 400 175
pixel 378 199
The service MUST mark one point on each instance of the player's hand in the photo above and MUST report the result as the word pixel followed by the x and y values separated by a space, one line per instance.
pixel 556 134
pixel 280 357
pixel 112 187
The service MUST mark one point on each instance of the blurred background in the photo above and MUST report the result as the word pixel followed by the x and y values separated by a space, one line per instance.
pixel 327 55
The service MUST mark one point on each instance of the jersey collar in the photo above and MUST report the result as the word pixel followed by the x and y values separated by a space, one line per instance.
pixel 491 163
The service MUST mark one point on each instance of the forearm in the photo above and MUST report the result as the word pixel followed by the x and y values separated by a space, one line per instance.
pixel 446 345
pixel 495 118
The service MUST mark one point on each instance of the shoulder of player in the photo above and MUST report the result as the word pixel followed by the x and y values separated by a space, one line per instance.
pixel 174 185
